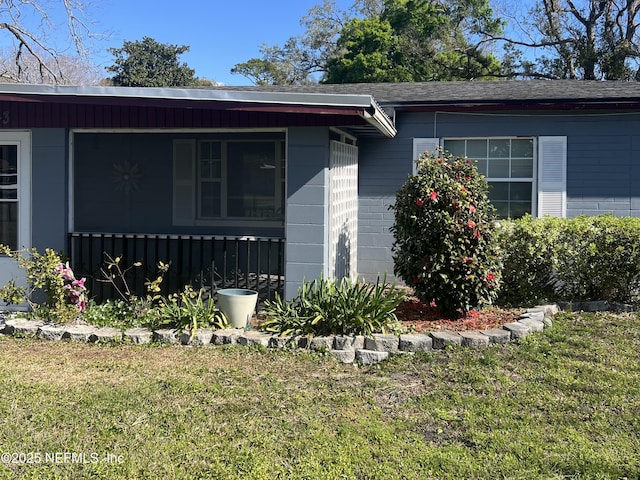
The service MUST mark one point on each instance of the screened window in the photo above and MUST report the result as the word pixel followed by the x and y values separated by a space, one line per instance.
pixel 508 165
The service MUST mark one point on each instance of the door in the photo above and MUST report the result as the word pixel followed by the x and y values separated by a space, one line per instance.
pixel 15 204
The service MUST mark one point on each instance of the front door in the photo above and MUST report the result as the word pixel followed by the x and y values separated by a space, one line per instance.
pixel 15 205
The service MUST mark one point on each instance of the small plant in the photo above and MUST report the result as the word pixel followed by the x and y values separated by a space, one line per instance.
pixel 335 307
pixel 65 296
pixel 444 235
pixel 188 310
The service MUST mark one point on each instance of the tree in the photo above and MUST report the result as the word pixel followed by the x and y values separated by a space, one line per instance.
pixel 70 70
pixel 147 63
pixel 304 55
pixel 33 57
pixel 382 41
pixel 417 40
pixel 580 39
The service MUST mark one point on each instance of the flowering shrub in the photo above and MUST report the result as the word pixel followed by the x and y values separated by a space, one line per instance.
pixel 47 276
pixel 75 289
pixel 444 238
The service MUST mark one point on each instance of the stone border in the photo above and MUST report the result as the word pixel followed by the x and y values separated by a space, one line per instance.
pixel 346 349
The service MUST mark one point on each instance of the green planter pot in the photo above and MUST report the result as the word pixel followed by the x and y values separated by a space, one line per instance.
pixel 238 305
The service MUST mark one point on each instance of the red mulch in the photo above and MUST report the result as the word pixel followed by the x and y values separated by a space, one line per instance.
pixel 415 315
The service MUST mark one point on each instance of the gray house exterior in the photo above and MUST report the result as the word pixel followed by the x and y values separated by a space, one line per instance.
pixel 311 169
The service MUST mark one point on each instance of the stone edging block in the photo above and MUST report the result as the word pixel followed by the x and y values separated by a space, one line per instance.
pixel 345 348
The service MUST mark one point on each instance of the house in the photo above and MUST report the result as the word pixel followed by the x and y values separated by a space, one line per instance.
pixel 266 186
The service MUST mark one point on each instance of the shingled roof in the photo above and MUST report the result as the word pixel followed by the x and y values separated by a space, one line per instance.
pixel 477 93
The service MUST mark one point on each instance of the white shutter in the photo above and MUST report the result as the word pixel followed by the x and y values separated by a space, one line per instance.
pixel 421 145
pixel 552 176
pixel 184 182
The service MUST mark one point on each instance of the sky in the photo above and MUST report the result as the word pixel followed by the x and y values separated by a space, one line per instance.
pixel 220 33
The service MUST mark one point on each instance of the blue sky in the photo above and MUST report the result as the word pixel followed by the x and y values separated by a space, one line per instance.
pixel 220 33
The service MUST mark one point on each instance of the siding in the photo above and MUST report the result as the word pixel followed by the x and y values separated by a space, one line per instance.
pixel 49 190
pixel 603 165
pixel 306 228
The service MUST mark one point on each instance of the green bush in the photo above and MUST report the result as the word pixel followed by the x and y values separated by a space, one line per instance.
pixel 326 307
pixel 444 233
pixel 528 258
pixel 584 258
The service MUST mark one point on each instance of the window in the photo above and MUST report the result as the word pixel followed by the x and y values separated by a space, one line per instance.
pixel 508 165
pixel 9 196
pixel 526 174
pixel 229 179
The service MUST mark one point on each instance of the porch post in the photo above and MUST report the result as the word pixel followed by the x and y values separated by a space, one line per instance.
pixel 306 229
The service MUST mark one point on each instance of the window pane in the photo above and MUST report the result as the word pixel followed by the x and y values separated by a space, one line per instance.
pixel 522 168
pixel 522 147
pixel 520 191
pixel 481 165
pixel 454 147
pixel 499 148
pixel 477 148
pixel 251 174
pixel 498 168
pixel 9 224
pixel 519 209
pixel 502 209
pixel 210 199
pixel 498 191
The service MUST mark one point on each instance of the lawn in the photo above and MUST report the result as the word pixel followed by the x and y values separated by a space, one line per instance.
pixel 564 403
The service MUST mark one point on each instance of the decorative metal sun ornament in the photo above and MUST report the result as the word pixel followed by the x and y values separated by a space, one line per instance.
pixel 126 176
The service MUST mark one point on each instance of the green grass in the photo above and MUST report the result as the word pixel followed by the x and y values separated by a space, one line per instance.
pixel 564 403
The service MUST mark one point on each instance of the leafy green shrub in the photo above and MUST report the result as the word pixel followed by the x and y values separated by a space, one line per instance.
pixel 598 258
pixel 529 259
pixel 326 307
pixel 64 295
pixel 444 233
pixel 584 258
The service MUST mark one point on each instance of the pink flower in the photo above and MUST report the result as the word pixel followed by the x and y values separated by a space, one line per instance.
pixel 471 224
pixel 476 234
pixel 472 208
pixel 433 196
pixel 432 304
pixel 490 277
pixel 79 283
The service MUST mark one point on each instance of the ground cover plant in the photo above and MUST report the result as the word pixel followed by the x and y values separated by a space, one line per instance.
pixel 563 403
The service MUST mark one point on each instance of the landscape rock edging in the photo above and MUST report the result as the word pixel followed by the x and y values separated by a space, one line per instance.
pixel 365 350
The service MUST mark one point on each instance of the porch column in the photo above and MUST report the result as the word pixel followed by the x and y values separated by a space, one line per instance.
pixel 307 208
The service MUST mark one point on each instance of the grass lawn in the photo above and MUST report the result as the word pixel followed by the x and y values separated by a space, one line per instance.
pixel 564 403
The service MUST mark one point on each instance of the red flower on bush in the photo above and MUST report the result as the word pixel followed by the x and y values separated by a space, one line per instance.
pixel 471 224
pixel 489 277
pixel 419 202
pixel 433 196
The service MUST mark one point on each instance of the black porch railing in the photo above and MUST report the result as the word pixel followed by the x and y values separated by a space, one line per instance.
pixel 202 261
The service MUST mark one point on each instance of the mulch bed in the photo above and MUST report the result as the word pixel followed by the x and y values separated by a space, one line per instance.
pixel 419 317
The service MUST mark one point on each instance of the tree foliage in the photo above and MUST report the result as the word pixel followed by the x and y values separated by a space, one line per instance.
pixel 147 63
pixel 32 56
pixel 382 41
pixel 579 39
pixel 417 40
